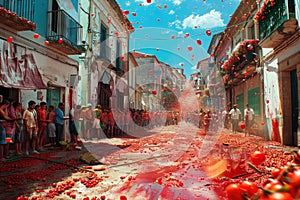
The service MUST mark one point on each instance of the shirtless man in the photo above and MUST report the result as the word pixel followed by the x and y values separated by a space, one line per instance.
pixel 3 118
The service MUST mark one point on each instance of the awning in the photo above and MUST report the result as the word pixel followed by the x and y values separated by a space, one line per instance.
pixel 17 69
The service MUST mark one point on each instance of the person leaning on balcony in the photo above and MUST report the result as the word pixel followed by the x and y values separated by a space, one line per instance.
pixel 235 116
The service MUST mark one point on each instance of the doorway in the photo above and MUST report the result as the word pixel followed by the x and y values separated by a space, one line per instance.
pixel 53 97
pixel 295 112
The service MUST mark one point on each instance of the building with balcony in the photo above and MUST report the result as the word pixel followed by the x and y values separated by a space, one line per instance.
pixel 105 65
pixel 279 39
pixel 149 78
pixel 236 55
pixel 37 39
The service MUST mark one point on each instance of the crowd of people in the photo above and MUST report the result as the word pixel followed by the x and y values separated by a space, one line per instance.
pixel 32 128
pixel 29 129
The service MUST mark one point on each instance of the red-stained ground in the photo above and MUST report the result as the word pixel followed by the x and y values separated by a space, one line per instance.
pixel 151 167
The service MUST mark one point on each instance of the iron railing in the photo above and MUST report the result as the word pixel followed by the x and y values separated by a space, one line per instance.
pixel 276 16
pixel 23 8
pixel 62 25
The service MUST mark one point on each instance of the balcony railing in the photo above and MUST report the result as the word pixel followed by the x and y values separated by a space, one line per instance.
pixel 277 14
pixel 23 8
pixel 62 28
pixel 18 14
pixel 105 52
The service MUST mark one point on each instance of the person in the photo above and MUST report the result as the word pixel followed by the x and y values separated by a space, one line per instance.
pixel 104 121
pixel 235 115
pixel 19 133
pixel 206 121
pixel 3 118
pixel 42 124
pixel 51 125
pixel 30 122
pixel 248 118
pixel 59 123
pixel 10 125
pixel 111 124
pixel 72 127
pixel 78 119
pixel 96 125
pixel 225 118
pixel 88 116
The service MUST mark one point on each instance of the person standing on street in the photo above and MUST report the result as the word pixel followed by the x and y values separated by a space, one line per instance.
pixel 235 115
pixel 59 122
pixel 42 123
pixel 3 122
pixel 31 127
pixel 248 118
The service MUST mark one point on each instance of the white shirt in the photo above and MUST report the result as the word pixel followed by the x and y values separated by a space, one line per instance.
pixel 235 113
pixel 249 113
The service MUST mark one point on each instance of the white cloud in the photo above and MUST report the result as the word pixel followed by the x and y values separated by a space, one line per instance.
pixel 176 23
pixel 172 12
pixel 209 20
pixel 144 2
pixel 177 2
pixel 127 3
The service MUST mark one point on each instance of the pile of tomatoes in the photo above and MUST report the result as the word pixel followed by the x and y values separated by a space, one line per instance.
pixel 283 184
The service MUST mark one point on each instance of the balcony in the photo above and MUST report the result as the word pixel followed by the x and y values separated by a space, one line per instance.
pixel 276 23
pixel 64 32
pixel 241 64
pixel 105 52
pixel 18 15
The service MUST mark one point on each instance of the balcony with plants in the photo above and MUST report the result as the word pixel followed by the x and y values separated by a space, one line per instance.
pixel 241 64
pixel 276 22
pixel 64 33
pixel 18 15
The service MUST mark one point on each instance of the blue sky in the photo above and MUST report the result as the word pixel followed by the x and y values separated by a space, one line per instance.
pixel 169 29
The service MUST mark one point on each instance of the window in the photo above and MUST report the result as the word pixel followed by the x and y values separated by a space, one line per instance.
pixel 254 100
pixel 118 55
pixel 250 32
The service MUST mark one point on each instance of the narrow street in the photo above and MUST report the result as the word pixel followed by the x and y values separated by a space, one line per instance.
pixel 169 162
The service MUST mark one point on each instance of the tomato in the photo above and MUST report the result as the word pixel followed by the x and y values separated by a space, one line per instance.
pixel 248 187
pixel 258 157
pixel 294 178
pixel 234 192
pixel 123 197
pixel 280 196
pixel 275 172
